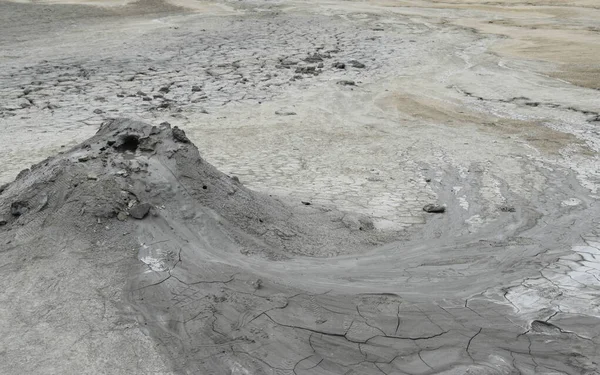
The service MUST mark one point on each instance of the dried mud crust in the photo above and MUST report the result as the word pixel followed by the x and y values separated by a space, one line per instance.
pixel 131 254
pixel 132 240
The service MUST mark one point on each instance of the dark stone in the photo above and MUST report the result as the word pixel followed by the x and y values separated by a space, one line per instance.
pixel 179 135
pixel 3 187
pixel 164 89
pixel 346 83
pixel 356 64
pixel 339 65
pixel 83 159
pixel 507 209
pixel 3 221
pixel 98 111
pixel 314 58
pixel 146 98
pixel 306 70
pixel 306 203
pixel 18 208
pixel 196 88
pixel 434 208
pixel 140 211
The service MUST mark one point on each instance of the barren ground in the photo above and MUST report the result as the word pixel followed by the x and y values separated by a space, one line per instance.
pixel 489 108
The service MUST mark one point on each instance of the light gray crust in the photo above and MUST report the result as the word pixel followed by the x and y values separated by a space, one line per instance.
pixel 218 279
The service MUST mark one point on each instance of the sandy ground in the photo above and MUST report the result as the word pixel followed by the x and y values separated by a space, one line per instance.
pixel 491 108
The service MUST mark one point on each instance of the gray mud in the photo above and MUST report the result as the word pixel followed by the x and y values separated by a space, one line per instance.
pixel 132 244
pixel 299 187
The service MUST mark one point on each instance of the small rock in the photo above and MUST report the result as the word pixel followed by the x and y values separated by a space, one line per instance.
pixel 346 83
pixel 356 64
pixel 313 58
pixel 98 111
pixel 306 203
pixel 320 65
pixel 140 211
pixel 141 93
pixel 83 159
pixel 3 221
pixel 18 208
pixel 179 135
pixel 196 88
pixel 146 98
pixel 434 208
pixel 507 209
pixel 257 284
pixel 92 176
pixel 3 187
pixel 339 65
pixel 164 89
pixel 428 180
pixel 285 113
pixel 121 216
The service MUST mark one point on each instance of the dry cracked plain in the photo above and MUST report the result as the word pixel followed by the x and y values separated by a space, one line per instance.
pixel 238 187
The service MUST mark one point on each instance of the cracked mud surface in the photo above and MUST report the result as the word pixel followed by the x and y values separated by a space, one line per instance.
pixel 334 123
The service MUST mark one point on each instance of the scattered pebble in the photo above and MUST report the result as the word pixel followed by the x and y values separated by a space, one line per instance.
pixel 434 208
pixel 140 211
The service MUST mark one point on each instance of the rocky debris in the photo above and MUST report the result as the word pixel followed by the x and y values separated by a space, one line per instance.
pixel 307 70
pixel 346 82
pixel 434 208
pixel 140 211
pixel 339 65
pixel 314 58
pixel 356 64
pixel 505 208
pixel 286 63
pixel 18 208
pixel 285 113
pixel 3 187
pixel 196 88
pixel 257 284
pixel 179 135
pixel 121 216
pixel 92 176
pixel 3 221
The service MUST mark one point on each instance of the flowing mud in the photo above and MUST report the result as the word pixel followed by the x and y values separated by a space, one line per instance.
pixel 405 187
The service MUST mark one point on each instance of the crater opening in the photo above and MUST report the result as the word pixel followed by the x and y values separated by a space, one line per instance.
pixel 129 142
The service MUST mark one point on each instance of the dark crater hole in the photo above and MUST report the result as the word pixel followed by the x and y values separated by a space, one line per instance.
pixel 129 143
